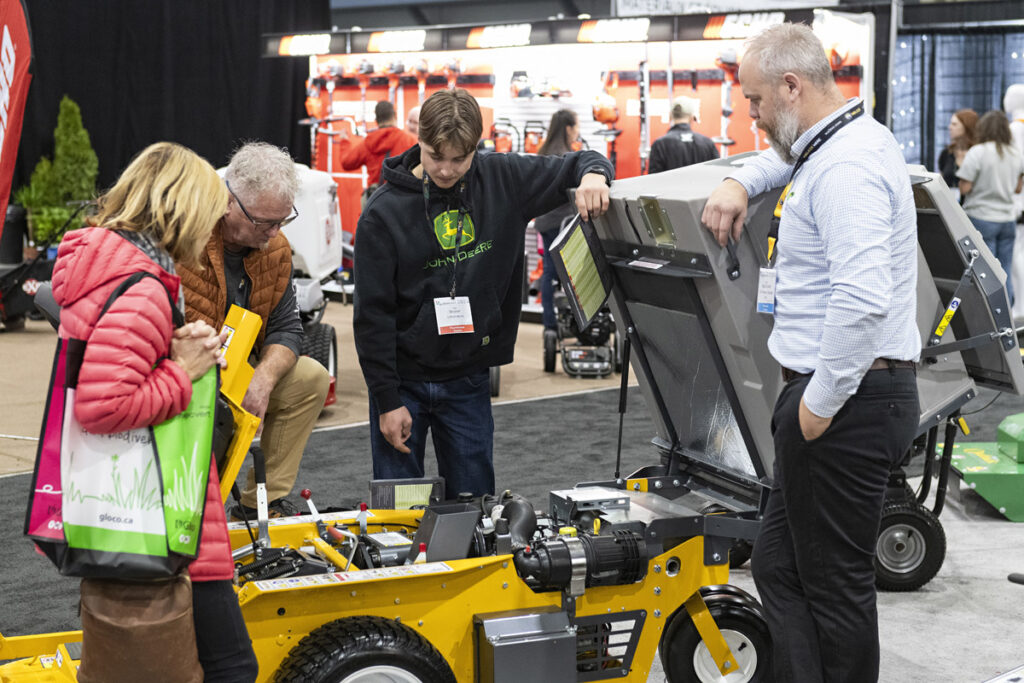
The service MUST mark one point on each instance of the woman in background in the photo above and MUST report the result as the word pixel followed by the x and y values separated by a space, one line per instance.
pixel 961 136
pixel 992 172
pixel 137 371
pixel 563 131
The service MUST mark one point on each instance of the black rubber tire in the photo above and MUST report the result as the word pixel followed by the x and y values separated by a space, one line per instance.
pixel 315 316
pixel 550 350
pixel 910 549
pixel 13 323
pixel 904 494
pixel 495 381
pixel 739 618
pixel 321 344
pixel 740 552
pixel 346 646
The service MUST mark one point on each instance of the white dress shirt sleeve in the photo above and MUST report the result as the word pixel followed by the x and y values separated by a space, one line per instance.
pixel 762 173
pixel 856 234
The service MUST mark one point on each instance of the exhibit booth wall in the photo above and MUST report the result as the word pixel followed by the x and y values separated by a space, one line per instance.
pixel 520 87
pixel 937 73
pixel 188 71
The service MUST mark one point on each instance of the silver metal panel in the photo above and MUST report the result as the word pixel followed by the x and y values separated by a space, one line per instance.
pixel 709 390
pixel 525 646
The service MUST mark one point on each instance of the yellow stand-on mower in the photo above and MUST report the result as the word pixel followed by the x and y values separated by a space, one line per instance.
pixel 491 589
pixel 495 592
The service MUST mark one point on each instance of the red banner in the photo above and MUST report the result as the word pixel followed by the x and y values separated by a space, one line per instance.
pixel 15 60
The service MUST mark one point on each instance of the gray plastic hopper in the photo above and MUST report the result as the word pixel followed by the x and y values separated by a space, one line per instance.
pixel 700 348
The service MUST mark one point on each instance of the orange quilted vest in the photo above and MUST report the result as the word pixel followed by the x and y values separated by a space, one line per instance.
pixel 205 290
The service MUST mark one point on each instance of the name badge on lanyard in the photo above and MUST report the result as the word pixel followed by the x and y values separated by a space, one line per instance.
pixel 768 278
pixel 766 291
pixel 453 314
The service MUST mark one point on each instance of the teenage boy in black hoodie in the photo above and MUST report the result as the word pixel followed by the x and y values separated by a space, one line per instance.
pixel 438 286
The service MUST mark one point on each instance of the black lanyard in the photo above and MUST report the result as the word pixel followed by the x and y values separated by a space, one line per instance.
pixel 458 231
pixel 820 139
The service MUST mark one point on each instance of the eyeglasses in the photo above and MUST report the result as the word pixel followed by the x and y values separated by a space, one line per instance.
pixel 263 224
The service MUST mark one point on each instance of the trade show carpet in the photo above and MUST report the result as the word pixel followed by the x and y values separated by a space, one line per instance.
pixel 962 626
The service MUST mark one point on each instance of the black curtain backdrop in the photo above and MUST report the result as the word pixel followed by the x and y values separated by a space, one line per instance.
pixel 188 71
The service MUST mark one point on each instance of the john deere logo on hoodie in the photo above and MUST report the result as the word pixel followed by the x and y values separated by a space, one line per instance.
pixel 446 226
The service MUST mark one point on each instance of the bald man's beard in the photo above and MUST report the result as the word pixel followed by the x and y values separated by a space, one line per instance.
pixel 783 133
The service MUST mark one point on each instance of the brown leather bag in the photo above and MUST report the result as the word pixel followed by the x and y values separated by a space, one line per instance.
pixel 138 631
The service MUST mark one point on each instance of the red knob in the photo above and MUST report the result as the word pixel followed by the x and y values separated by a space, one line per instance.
pixel 362 507
pixel 306 493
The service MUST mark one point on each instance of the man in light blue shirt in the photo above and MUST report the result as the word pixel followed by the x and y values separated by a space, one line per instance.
pixel 846 337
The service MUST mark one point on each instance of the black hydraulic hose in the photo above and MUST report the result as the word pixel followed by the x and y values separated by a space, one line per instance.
pixel 947 457
pixel 522 521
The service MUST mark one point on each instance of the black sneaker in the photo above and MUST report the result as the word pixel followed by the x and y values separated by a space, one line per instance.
pixel 282 507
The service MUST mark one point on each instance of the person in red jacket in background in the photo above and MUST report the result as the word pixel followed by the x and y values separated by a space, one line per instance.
pixel 379 144
pixel 137 371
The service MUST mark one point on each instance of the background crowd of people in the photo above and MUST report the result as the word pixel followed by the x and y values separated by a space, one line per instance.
pixel 984 162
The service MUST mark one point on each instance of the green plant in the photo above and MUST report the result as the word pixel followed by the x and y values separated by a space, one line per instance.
pixel 69 178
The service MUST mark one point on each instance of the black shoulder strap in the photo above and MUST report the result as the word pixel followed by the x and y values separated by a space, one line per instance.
pixel 176 316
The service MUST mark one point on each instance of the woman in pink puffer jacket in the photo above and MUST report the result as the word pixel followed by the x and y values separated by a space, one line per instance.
pixel 138 371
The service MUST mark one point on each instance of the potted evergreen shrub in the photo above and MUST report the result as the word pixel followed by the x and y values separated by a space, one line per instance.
pixel 56 186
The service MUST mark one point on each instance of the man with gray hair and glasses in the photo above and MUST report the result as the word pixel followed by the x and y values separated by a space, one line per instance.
pixel 844 276
pixel 248 262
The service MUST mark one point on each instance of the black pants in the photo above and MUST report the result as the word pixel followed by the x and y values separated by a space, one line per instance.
pixel 225 650
pixel 813 559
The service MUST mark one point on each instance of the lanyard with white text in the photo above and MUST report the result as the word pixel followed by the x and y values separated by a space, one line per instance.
pixel 820 139
pixel 458 232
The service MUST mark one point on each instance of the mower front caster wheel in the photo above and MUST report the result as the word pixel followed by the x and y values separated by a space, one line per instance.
pixel 686 658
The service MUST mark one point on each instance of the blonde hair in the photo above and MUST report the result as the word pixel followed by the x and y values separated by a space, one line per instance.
pixel 169 193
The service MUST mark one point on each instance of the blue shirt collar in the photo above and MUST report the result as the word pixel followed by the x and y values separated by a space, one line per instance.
pixel 801 142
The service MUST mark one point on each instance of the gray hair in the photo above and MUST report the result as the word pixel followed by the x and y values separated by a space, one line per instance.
pixel 790 48
pixel 258 168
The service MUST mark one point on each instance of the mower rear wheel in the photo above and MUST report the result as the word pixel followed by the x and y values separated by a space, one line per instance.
pixel 550 350
pixel 686 658
pixel 321 344
pixel 910 549
pixel 364 650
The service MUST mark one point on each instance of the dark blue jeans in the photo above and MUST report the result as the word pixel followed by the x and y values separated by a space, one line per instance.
pixel 999 237
pixel 225 650
pixel 813 561
pixel 458 415
pixel 547 286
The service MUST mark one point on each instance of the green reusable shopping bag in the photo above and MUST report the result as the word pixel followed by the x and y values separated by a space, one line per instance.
pixel 184 443
pixel 131 502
